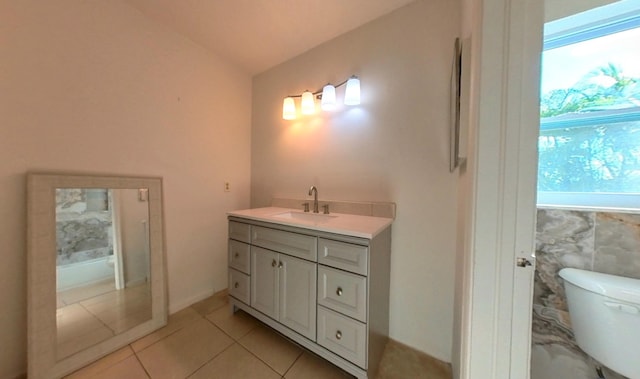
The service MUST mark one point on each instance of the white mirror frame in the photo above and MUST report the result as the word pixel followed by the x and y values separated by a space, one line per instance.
pixel 41 271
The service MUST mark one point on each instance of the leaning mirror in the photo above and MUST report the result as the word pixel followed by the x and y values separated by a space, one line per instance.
pixel 95 267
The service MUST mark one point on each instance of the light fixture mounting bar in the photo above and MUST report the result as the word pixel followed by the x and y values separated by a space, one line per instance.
pixel 319 91
pixel 326 95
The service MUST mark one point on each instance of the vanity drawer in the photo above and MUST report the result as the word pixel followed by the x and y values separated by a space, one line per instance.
pixel 239 231
pixel 239 285
pixel 343 336
pixel 345 256
pixel 239 256
pixel 298 245
pixel 343 292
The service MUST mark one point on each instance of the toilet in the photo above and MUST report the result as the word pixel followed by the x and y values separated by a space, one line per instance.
pixel 605 315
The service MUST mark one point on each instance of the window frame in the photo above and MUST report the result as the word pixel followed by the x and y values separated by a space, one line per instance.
pixel 555 38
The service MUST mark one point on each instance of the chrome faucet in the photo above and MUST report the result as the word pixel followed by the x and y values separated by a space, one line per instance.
pixel 314 191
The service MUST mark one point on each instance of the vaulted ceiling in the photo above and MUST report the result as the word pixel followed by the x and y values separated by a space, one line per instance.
pixel 259 34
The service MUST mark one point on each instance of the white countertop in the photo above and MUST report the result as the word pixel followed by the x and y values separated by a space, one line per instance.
pixel 340 223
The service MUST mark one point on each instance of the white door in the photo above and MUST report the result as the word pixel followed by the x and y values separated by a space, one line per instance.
pixel 264 281
pixel 298 295
pixel 500 178
pixel 523 110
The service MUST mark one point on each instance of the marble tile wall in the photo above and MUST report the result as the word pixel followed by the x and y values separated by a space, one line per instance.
pixel 597 241
pixel 83 230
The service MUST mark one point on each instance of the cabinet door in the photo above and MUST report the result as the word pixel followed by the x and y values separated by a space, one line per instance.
pixel 264 281
pixel 239 256
pixel 298 295
pixel 343 292
pixel 239 285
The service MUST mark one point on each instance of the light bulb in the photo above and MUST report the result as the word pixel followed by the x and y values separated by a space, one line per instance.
pixel 289 109
pixel 307 105
pixel 328 98
pixel 352 93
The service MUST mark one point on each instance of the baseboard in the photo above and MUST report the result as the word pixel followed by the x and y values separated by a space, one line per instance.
pixel 183 303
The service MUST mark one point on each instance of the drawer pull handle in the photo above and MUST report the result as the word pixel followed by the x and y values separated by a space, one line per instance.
pixel 274 263
pixel 338 335
pixel 236 285
pixel 339 291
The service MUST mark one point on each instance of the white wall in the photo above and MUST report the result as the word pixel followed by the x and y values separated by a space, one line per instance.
pixel 394 147
pixel 93 86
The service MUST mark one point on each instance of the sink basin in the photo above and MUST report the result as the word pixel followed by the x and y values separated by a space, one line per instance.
pixel 317 218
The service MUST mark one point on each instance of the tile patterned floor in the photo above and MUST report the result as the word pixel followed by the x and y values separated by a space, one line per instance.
pixel 90 314
pixel 206 341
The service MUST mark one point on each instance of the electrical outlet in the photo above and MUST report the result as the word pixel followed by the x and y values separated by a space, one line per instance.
pixel 227 187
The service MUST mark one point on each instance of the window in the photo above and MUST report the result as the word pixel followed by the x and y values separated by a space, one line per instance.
pixel 589 143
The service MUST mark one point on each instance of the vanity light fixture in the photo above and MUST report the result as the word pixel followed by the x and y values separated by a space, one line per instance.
pixel 307 105
pixel 352 93
pixel 328 101
pixel 289 109
pixel 327 98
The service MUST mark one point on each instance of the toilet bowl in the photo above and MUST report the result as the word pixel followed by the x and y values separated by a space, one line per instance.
pixel 605 316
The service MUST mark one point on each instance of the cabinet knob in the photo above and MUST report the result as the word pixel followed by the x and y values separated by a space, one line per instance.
pixel 236 255
pixel 274 263
pixel 236 285
pixel 338 335
pixel 280 265
pixel 339 291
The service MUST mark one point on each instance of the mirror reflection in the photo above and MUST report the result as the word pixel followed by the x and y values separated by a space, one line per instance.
pixel 102 265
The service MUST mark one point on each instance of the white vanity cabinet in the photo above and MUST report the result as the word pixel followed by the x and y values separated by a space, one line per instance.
pixel 327 291
pixel 342 299
pixel 239 261
pixel 284 288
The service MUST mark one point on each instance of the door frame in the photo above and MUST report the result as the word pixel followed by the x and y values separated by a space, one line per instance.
pixel 499 189
pixel 118 254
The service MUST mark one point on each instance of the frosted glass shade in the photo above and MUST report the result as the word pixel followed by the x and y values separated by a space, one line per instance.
pixel 307 104
pixel 289 109
pixel 352 93
pixel 328 98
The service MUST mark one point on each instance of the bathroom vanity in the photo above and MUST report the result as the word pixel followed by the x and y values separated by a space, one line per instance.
pixel 320 280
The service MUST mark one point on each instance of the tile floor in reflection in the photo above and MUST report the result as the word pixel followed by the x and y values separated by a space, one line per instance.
pixel 206 340
pixel 90 314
